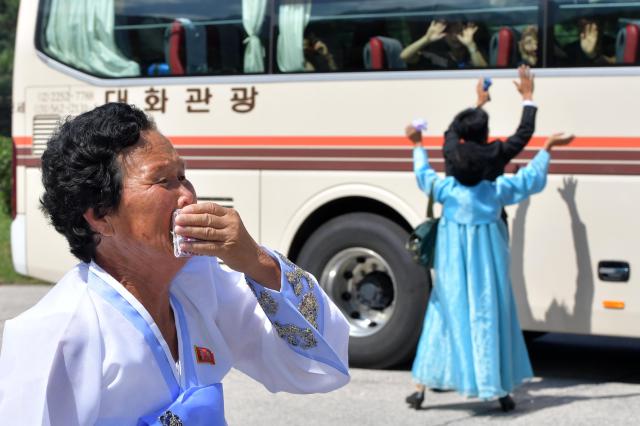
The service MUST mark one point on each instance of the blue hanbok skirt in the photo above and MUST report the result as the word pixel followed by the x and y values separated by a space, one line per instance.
pixel 471 340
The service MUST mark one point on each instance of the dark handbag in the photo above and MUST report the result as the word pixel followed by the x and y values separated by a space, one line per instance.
pixel 422 241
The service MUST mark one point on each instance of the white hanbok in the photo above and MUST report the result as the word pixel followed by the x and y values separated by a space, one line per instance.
pixel 90 354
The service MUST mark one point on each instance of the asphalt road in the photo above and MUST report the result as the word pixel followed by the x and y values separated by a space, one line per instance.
pixel 579 381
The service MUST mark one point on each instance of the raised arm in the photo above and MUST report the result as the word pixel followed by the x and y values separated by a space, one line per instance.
pixel 452 135
pixel 423 171
pixel 301 345
pixel 516 142
pixel 292 339
pixel 467 39
pixel 532 178
pixel 435 32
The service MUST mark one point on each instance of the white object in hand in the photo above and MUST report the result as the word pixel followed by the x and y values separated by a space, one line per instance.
pixel 419 124
pixel 177 239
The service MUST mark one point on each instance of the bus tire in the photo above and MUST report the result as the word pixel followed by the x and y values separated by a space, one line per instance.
pixel 381 291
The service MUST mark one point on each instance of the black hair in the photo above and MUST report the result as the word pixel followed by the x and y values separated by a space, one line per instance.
pixel 467 167
pixel 472 125
pixel 469 162
pixel 587 20
pixel 80 170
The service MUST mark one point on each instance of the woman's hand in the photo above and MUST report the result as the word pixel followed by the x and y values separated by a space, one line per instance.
pixel 321 48
pixel 483 95
pixel 525 86
pixel 222 234
pixel 467 37
pixel 435 31
pixel 589 40
pixel 558 139
pixel 413 135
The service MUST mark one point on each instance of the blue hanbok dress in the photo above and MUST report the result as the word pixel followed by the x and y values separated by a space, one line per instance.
pixel 471 340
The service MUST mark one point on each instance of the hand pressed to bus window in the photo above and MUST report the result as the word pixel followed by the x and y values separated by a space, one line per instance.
pixel 592 47
pixel 446 45
pixel 317 56
pixel 466 37
pixel 589 39
pixel 435 31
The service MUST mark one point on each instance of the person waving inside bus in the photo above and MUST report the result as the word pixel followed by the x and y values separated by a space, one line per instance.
pixel 445 45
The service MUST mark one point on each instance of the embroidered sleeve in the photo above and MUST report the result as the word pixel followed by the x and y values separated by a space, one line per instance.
pixel 296 312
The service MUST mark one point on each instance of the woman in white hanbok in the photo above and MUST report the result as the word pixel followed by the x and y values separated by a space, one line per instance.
pixel 134 335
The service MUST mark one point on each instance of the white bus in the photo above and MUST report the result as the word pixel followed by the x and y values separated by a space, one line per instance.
pixel 292 112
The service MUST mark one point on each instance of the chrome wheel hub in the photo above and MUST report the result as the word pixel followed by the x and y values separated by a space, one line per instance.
pixel 362 285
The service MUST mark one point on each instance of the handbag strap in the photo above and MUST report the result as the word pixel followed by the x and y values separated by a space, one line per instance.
pixel 430 202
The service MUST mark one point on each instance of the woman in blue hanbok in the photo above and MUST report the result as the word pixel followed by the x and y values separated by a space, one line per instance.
pixel 471 340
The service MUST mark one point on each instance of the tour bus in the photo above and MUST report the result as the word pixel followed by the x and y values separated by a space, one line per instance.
pixel 293 113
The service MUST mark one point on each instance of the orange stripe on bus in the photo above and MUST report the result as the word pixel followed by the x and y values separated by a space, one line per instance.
pixel 22 140
pixel 292 140
pixel 390 141
pixel 379 141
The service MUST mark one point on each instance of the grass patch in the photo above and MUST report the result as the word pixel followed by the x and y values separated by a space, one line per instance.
pixel 7 274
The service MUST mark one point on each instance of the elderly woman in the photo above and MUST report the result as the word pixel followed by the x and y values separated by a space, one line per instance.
pixel 135 335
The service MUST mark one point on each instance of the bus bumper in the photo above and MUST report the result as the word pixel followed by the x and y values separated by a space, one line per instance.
pixel 19 244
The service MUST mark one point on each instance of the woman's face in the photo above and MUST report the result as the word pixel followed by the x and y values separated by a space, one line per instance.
pixel 529 45
pixel 154 185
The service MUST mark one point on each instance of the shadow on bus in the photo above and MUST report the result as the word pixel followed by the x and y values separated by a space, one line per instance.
pixel 578 316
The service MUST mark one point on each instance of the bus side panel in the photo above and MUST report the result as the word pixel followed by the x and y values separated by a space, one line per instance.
pixel 48 255
pixel 286 193
pixel 558 237
pixel 239 189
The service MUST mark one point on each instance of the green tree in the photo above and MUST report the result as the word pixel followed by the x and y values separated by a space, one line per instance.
pixel 8 20
pixel 5 175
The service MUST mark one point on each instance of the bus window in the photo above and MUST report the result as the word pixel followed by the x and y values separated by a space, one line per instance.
pixel 339 35
pixel 589 33
pixel 476 34
pixel 319 37
pixel 118 38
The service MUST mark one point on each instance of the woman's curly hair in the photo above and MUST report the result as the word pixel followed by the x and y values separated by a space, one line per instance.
pixel 80 170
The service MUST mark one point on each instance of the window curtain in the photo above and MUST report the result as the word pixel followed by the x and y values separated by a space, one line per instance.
pixel 81 33
pixel 293 17
pixel 253 12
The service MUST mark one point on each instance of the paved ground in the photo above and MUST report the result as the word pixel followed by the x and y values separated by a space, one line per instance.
pixel 581 381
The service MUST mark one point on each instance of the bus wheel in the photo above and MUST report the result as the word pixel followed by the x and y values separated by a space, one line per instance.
pixel 362 264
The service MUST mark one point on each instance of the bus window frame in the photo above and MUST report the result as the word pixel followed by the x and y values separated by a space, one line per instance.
pixel 551 13
pixel 270 75
pixel 622 71
pixel 42 13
